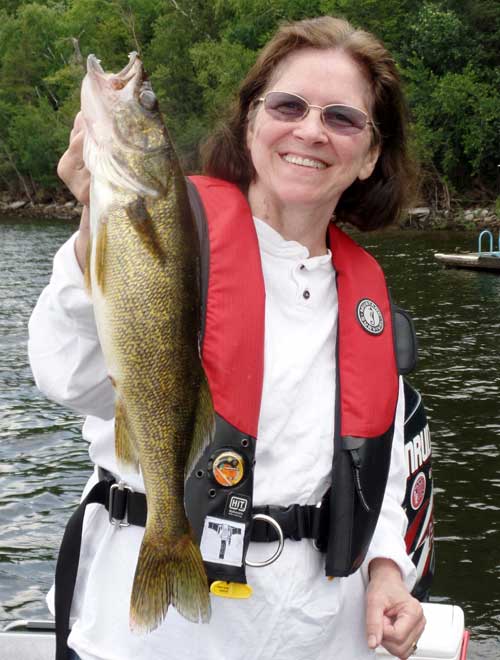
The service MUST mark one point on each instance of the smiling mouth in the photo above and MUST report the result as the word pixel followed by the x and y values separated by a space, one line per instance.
pixel 304 162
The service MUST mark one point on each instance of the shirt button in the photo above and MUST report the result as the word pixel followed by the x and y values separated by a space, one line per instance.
pixel 306 294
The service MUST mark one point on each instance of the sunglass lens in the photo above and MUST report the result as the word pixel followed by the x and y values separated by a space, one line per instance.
pixel 344 118
pixel 286 107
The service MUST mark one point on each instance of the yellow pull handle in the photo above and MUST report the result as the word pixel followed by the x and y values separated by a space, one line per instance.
pixel 230 589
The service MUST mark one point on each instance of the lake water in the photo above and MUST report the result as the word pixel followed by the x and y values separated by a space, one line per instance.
pixel 44 462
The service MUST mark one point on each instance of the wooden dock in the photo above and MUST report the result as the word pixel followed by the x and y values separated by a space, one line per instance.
pixel 474 260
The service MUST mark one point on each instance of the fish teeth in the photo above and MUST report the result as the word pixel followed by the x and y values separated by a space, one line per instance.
pixel 306 162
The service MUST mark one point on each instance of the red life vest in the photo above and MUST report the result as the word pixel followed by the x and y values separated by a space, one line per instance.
pixel 233 350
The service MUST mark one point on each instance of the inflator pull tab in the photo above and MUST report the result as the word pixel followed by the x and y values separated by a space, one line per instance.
pixel 356 463
pixel 230 589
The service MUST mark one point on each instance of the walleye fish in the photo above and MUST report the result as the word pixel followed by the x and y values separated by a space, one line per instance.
pixel 143 275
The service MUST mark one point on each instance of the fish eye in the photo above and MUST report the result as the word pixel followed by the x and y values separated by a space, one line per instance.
pixel 147 99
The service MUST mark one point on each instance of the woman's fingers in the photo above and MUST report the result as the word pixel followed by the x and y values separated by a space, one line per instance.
pixel 78 125
pixel 82 239
pixel 406 625
pixel 71 167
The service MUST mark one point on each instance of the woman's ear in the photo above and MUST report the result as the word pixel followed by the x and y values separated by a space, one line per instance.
pixel 370 161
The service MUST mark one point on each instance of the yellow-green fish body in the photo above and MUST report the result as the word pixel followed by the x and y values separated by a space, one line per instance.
pixel 144 280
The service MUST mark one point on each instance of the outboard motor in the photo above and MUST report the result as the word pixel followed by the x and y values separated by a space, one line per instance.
pixel 418 501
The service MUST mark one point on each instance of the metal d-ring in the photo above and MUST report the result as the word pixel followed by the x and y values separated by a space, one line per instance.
pixel 315 540
pixel 281 541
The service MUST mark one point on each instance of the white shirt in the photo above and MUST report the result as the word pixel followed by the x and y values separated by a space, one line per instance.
pixel 295 613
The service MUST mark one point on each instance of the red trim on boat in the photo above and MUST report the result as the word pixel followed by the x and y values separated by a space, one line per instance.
pixel 465 645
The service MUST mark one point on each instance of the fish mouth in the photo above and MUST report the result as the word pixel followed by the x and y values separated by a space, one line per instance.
pixel 103 92
pixel 113 112
pixel 126 82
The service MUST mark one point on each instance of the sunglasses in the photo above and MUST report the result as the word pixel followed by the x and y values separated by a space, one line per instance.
pixel 342 119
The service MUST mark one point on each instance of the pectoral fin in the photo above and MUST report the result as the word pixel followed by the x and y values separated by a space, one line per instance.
pixel 204 426
pixel 125 447
pixel 138 213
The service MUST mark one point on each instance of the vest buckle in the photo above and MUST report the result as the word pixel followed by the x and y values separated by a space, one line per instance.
pixel 117 504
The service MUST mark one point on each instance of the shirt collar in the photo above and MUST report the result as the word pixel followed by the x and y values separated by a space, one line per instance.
pixel 271 242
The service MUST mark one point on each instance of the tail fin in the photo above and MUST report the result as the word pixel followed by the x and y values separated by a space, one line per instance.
pixel 174 576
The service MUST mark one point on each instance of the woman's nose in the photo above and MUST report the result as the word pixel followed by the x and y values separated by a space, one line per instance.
pixel 311 127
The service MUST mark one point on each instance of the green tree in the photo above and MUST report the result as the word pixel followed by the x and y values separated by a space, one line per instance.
pixel 101 29
pixel 388 20
pixel 37 139
pixel 29 51
pixel 437 38
pixel 481 19
pixel 173 75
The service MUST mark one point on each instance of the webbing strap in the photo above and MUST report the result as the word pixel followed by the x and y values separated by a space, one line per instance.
pixel 67 566
pixel 297 522
pixel 202 228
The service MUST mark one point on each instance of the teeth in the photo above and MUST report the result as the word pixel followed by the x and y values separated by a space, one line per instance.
pixel 306 162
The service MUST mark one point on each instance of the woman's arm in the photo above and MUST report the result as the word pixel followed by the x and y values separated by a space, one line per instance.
pixel 393 617
pixel 63 347
pixel 64 350
pixel 388 538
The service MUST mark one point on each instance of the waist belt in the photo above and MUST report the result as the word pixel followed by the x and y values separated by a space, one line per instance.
pixel 126 507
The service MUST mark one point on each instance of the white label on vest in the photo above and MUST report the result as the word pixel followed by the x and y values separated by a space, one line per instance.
pixel 370 316
pixel 222 541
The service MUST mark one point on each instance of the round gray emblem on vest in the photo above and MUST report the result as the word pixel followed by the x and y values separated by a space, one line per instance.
pixel 370 316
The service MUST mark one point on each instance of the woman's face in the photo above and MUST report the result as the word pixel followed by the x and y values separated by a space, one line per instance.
pixel 305 163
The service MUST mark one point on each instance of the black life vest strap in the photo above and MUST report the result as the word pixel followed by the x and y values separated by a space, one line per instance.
pixel 297 521
pixel 125 507
pixel 202 227
pixel 67 565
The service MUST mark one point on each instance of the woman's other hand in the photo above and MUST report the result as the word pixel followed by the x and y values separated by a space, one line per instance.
pixel 393 617
pixel 71 169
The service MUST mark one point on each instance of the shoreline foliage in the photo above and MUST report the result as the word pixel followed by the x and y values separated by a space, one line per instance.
pixel 197 51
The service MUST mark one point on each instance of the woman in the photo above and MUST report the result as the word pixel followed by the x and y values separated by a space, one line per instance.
pixel 319 130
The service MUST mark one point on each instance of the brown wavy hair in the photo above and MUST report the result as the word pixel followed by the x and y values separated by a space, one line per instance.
pixel 370 204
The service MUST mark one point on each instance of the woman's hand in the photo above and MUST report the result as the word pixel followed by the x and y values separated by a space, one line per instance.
pixel 393 617
pixel 71 169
